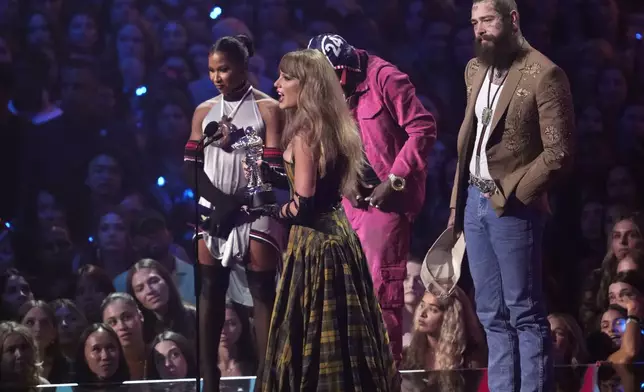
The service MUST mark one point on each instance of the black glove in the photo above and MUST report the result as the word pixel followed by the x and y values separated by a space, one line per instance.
pixel 272 210
pixel 277 178
pixel 220 220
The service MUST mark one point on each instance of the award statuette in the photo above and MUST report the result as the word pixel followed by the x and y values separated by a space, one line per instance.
pixel 260 193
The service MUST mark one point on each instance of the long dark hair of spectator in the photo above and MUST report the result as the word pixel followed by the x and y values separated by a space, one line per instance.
pixel 98 277
pixel 83 374
pixel 175 317
pixel 246 351
pixel 69 304
pixel 59 372
pixel 103 283
pixel 66 303
pixel 187 349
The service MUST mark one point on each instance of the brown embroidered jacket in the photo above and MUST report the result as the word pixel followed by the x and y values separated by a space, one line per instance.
pixel 531 140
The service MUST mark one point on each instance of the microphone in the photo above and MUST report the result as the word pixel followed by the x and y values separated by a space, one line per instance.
pixel 211 129
pixel 210 134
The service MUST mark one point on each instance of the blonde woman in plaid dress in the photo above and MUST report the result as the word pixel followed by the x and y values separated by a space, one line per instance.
pixel 327 331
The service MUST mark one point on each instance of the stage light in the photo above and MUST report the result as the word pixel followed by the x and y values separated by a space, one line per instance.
pixel 141 91
pixel 638 36
pixel 188 194
pixel 8 225
pixel 215 13
pixel 90 239
pixel 161 181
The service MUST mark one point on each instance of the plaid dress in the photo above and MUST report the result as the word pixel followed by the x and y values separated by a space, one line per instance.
pixel 327 331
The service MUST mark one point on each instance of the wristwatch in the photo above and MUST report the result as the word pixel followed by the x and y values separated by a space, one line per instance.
pixel 397 183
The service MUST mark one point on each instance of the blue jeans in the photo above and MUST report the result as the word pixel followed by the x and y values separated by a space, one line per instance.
pixel 504 256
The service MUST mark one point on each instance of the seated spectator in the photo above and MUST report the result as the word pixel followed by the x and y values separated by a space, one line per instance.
pixel 91 288
pixel 625 236
pixel 171 357
pixel 569 346
pixel 119 311
pixel 45 209
pixel 150 283
pixel 58 259
pixel 14 292
pixel 630 347
pixel 152 239
pixel 612 324
pixel 83 38
pixel 70 323
pixel 622 187
pixel 40 319
pixel 17 344
pixel 112 249
pixel 444 337
pixel 414 291
pixel 626 286
pixel 105 184
pixel 236 347
pixel 99 358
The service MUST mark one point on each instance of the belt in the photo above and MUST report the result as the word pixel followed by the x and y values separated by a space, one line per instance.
pixel 483 185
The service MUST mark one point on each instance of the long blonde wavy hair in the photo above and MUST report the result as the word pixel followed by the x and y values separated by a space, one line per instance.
pixel 8 328
pixel 322 117
pixel 452 341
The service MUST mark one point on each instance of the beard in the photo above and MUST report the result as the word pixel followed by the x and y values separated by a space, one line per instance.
pixel 499 51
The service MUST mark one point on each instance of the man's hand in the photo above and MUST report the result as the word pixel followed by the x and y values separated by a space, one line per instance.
pixel 357 200
pixel 452 217
pixel 381 195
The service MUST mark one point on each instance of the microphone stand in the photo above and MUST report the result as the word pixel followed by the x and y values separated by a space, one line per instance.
pixel 203 143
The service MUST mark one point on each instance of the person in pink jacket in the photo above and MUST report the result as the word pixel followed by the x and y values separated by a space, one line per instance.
pixel 397 134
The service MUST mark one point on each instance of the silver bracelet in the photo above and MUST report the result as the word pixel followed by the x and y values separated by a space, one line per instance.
pixel 631 320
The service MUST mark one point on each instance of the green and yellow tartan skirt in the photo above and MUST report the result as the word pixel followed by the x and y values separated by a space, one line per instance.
pixel 327 331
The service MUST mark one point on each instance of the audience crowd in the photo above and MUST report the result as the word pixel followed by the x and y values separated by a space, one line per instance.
pixel 97 282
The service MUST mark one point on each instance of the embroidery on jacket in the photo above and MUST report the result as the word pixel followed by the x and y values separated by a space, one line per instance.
pixel 519 121
pixel 558 133
pixel 533 69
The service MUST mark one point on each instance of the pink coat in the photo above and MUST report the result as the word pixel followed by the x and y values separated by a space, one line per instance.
pixel 397 131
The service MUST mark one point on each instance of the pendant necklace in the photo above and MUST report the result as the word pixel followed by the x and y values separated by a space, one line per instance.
pixel 229 118
pixel 486 115
pixel 226 123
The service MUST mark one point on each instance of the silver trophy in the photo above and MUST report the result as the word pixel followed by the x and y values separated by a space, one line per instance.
pixel 260 193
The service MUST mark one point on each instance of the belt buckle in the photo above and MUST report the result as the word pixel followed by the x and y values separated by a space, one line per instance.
pixel 484 186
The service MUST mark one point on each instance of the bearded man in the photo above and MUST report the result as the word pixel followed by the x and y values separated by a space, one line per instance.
pixel 513 145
